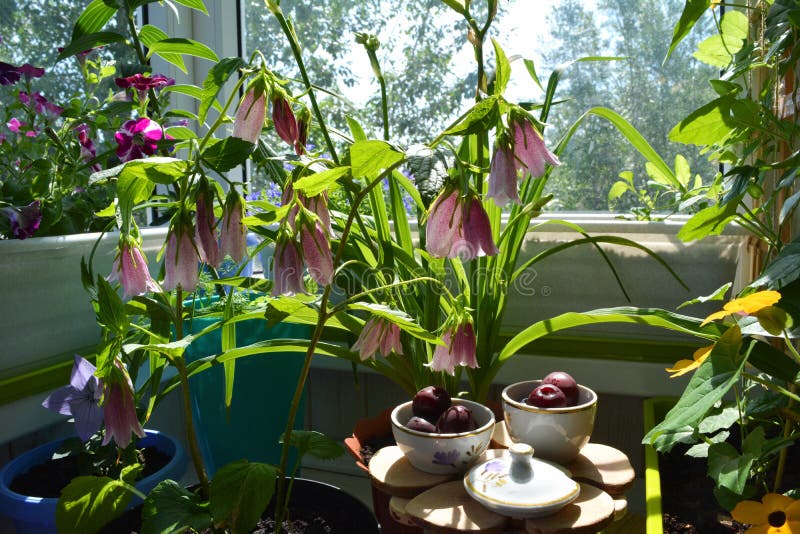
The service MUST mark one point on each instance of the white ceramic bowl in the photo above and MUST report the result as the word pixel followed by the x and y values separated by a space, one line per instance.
pixel 443 454
pixel 556 434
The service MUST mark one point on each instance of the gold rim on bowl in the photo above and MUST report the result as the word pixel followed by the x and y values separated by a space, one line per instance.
pixel 591 403
pixel 468 403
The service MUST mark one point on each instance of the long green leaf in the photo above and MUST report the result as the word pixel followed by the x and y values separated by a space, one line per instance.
pixel 215 79
pixel 149 35
pixel 94 17
pixel 644 316
pixel 228 337
pixel 178 45
pixel 555 76
pixel 692 11
pixel 88 41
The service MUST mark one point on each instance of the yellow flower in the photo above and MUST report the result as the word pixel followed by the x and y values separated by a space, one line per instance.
pixel 775 514
pixel 682 367
pixel 749 305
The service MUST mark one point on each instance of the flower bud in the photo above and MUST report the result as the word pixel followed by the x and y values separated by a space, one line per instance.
pixel 251 115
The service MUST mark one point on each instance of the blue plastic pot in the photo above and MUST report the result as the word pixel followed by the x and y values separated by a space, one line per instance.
pixel 37 515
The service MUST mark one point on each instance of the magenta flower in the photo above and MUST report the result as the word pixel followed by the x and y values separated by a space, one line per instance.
pixel 80 399
pixel 529 148
pixel 180 259
pixel 378 334
pixel 206 232
pixel 88 151
pixel 15 125
pixel 9 75
pixel 283 117
pixel 137 138
pixel 130 268
pixel 119 412
pixel 458 227
pixel 233 235
pixel 317 253
pixel 30 72
pixel 24 220
pixel 250 116
pixel 477 233
pixel 444 223
pixel 503 177
pixel 287 268
pixel 459 349
pixel 41 105
pixel 142 83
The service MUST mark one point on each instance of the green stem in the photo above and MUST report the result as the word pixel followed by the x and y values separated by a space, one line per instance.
pixel 773 387
pixel 298 57
pixel 343 305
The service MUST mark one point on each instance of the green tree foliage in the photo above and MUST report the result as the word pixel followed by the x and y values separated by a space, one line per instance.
pixel 651 95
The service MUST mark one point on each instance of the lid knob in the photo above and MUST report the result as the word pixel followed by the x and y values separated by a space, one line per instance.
pixel 521 471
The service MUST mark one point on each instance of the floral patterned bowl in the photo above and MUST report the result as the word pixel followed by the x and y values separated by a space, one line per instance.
pixel 443 454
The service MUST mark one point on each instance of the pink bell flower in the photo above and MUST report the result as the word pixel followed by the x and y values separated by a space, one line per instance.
pixel 130 268
pixel 206 233
pixel 530 150
pixel 477 233
pixel 459 349
pixel 285 122
pixel 444 223
pixel 180 260
pixel 233 235
pixel 287 270
pixel 119 412
pixel 378 334
pixel 138 138
pixel 503 177
pixel 317 253
pixel 250 116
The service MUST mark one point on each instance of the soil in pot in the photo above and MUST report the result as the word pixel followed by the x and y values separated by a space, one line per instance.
pixel 687 494
pixel 48 479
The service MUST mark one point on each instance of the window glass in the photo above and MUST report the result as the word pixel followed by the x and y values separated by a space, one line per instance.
pixel 429 69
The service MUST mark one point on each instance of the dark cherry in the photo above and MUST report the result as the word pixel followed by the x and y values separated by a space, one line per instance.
pixel 547 396
pixel 430 403
pixel 455 419
pixel 420 425
pixel 565 383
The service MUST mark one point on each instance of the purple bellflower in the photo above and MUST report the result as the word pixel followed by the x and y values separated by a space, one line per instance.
pixel 287 268
pixel 181 258
pixel 529 148
pixel 206 226
pixel 138 138
pixel 459 349
pixel 80 399
pixel 250 116
pixel 503 177
pixel 233 235
pixel 119 411
pixel 316 252
pixel 283 117
pixel 130 268
pixel 458 227
pixel 378 334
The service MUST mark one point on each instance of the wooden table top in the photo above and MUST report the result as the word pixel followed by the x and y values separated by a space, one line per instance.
pixel 440 502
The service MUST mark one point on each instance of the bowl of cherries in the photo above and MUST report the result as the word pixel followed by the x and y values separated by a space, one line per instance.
pixel 442 435
pixel 555 416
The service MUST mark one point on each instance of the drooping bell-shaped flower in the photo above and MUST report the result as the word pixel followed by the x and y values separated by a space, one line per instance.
pixel 303 125
pixel 284 119
pixel 119 410
pixel 319 206
pixel 378 334
pixel 130 268
pixel 503 177
pixel 477 232
pixel 80 399
pixel 529 148
pixel 206 225
pixel 287 268
pixel 138 138
pixel 316 252
pixel 459 349
pixel 251 115
pixel 233 235
pixel 444 223
pixel 181 257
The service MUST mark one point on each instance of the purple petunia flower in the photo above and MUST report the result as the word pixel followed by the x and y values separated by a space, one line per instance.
pixel 137 138
pixel 9 75
pixel 459 349
pixel 30 72
pixel 24 220
pixel 142 83
pixel 88 151
pixel 80 399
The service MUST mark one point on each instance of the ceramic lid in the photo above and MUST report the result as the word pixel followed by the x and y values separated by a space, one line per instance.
pixel 519 485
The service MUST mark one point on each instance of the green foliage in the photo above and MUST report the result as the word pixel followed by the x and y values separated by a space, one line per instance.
pixel 240 492
pixel 88 502
pixel 170 508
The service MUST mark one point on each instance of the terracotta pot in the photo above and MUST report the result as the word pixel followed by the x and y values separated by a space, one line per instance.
pixel 366 430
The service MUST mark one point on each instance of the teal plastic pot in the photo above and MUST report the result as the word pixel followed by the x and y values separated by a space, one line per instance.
pixel 37 515
pixel 263 389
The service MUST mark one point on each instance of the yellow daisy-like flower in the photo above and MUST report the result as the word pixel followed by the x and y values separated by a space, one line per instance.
pixel 682 367
pixel 749 305
pixel 775 514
